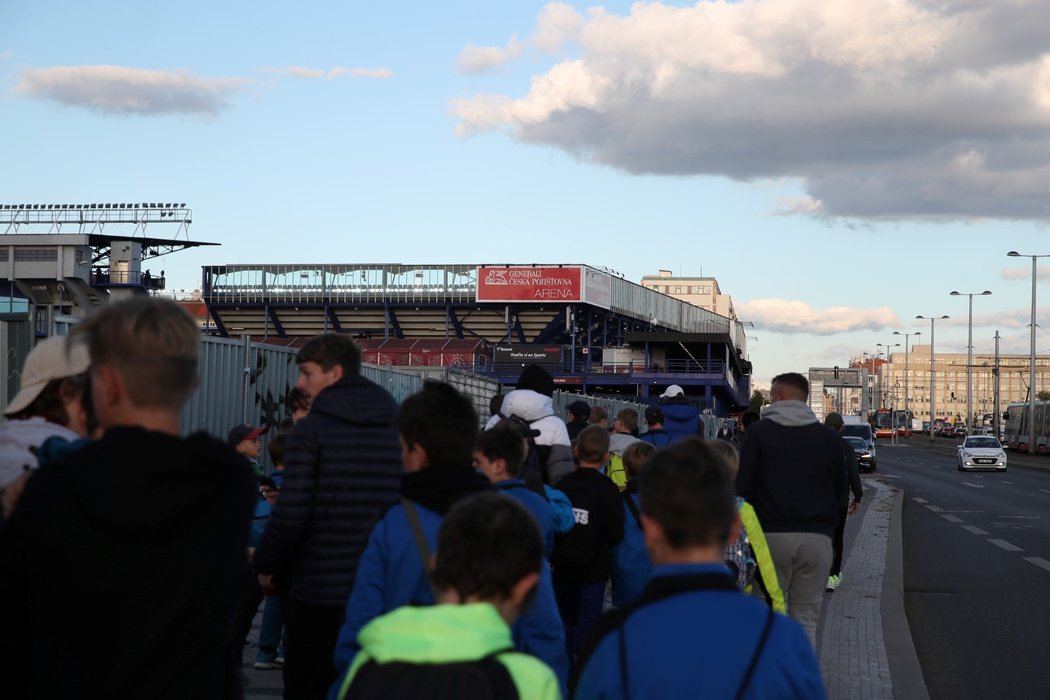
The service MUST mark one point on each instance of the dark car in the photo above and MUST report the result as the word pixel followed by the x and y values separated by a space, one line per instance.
pixel 865 459
pixel 946 431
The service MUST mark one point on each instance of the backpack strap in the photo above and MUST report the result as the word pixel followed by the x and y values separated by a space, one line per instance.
pixel 421 541
pixel 746 681
pixel 632 506
pixel 659 588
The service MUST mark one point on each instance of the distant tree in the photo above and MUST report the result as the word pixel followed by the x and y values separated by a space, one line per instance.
pixel 758 400
pixel 1043 395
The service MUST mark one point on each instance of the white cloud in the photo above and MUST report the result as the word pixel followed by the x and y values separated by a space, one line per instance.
pixel 1025 273
pixel 478 59
pixel 122 90
pixel 295 72
pixel 320 73
pixel 883 110
pixel 789 316
pixel 378 73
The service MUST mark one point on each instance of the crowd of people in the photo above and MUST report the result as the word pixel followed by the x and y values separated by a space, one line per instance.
pixel 398 550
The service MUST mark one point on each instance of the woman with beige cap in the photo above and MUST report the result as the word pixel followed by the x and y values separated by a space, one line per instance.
pixel 47 405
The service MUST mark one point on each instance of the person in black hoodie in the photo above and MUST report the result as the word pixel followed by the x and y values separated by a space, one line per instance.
pixel 582 557
pixel 120 566
pixel 342 469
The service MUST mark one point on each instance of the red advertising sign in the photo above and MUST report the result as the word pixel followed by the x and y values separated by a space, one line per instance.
pixel 535 284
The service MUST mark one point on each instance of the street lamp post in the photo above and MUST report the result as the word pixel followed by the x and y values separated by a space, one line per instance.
pixel 931 319
pixel 1031 359
pixel 969 357
pixel 887 388
pixel 907 405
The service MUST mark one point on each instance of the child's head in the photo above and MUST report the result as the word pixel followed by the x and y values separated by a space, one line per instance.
pixel 592 446
pixel 438 427
pixel 489 549
pixel 143 353
pixel 687 501
pixel 298 404
pixel 726 451
pixel 599 416
pixel 244 439
pixel 500 451
pixel 635 455
pixel 276 450
pixel 626 421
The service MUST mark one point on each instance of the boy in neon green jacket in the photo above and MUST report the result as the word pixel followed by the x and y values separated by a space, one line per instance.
pixel 766 577
pixel 485 572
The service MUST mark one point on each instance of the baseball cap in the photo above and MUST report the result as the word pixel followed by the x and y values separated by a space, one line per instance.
pixel 240 433
pixel 654 414
pixel 672 391
pixel 46 362
pixel 833 420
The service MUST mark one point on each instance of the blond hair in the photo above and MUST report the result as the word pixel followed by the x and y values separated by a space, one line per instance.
pixel 153 343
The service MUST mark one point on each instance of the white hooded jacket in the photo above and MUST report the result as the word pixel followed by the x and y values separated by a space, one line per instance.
pixel 538 411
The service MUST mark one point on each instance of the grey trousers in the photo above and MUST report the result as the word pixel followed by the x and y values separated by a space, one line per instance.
pixel 803 562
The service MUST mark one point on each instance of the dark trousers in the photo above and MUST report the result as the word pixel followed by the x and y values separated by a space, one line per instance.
pixel 580 604
pixel 309 669
pixel 836 543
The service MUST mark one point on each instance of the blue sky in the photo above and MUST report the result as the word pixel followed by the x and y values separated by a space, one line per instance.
pixel 839 167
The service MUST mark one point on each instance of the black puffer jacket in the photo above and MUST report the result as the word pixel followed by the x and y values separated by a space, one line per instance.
pixel 342 471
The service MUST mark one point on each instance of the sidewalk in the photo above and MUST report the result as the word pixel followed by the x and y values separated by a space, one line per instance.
pixel 866 651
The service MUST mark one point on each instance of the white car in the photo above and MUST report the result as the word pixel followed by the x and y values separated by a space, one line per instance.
pixel 981 452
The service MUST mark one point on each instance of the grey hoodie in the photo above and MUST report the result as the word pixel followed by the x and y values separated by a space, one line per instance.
pixel 790 414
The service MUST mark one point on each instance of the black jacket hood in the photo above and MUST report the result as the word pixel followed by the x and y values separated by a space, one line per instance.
pixel 366 403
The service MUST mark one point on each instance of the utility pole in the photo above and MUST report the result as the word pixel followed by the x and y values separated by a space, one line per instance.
pixel 995 389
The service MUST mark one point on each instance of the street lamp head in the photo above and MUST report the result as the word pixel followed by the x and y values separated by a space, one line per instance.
pixel 955 294
pixel 985 293
pixel 1013 254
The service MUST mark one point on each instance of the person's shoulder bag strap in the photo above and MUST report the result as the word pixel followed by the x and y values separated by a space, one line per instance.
pixel 421 541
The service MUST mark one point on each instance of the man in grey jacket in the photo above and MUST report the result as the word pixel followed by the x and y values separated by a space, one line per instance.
pixel 791 472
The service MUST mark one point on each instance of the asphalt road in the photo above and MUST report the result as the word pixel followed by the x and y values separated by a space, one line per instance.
pixel 976 570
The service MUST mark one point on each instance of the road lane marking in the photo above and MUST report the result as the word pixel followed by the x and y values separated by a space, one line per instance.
pixel 951 518
pixel 1009 483
pixel 1003 544
pixel 919 500
pixel 972 486
pixel 1038 561
pixel 974 529
pixel 1044 490
pixel 935 509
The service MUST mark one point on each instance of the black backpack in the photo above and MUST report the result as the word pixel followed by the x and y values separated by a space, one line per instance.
pixel 484 679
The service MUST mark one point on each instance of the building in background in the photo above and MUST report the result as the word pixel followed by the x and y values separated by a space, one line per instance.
pixel 698 291
pixel 950 383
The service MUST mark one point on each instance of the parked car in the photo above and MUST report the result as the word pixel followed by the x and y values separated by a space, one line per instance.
pixel 981 452
pixel 865 455
pixel 946 430
pixel 960 431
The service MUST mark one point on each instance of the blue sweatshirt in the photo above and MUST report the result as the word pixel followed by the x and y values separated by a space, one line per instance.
pixel 535 504
pixel 390 574
pixel 698 643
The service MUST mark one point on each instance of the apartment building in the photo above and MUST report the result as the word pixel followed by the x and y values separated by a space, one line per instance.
pixel 698 291
pixel 949 385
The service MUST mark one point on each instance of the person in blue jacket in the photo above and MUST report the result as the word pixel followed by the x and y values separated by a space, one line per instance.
pixel 693 634
pixel 631 565
pixel 499 454
pixel 438 430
